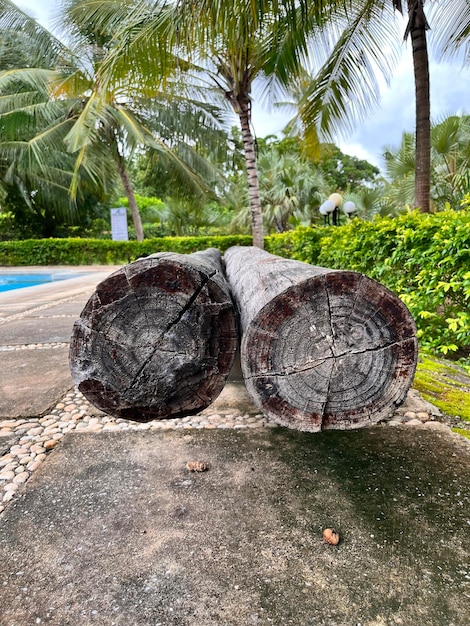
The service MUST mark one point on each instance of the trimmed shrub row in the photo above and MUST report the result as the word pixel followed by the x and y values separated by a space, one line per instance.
pixel 104 251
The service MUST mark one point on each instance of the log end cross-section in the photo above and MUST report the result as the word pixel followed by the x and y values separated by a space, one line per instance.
pixel 336 350
pixel 157 338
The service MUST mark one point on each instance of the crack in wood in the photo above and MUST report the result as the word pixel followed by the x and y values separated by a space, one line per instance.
pixel 204 281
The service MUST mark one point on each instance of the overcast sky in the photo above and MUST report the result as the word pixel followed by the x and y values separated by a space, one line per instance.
pixel 450 94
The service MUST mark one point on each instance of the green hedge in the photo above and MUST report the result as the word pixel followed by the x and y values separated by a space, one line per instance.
pixel 105 251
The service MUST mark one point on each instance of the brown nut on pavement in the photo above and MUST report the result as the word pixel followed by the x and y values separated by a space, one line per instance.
pixel 331 536
pixel 196 466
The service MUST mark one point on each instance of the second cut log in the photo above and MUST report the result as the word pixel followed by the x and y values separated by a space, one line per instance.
pixel 321 349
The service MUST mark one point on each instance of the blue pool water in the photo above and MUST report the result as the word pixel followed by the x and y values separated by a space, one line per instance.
pixel 18 281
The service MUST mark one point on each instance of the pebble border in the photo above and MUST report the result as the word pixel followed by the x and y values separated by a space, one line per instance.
pixel 35 438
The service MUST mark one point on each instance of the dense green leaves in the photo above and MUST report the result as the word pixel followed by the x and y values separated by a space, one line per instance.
pixel 424 259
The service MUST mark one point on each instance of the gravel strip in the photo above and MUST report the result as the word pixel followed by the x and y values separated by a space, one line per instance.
pixel 34 438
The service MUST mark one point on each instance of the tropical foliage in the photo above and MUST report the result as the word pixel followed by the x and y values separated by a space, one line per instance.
pixel 425 259
pixel 450 160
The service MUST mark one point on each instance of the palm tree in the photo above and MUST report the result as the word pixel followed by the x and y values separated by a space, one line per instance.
pixel 364 43
pixel 103 122
pixel 416 28
pixel 230 45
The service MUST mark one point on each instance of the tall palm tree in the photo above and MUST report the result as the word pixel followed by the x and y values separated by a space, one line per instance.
pixel 230 45
pixel 365 42
pixel 416 29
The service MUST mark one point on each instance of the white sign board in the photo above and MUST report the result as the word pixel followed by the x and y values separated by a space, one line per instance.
pixel 119 224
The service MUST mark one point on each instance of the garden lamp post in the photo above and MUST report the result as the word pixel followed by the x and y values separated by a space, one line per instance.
pixel 337 200
pixel 349 208
pixel 325 209
pixel 331 206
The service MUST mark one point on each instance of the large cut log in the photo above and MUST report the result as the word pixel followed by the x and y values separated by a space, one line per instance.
pixel 321 349
pixel 157 338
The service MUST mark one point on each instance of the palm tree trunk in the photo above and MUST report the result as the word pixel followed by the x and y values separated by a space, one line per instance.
pixel 244 112
pixel 418 27
pixel 129 191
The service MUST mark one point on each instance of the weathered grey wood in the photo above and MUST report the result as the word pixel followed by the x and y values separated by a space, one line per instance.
pixel 157 338
pixel 321 349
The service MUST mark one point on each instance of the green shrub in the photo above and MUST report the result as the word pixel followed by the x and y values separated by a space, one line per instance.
pixel 423 258
pixel 302 244
pixel 105 251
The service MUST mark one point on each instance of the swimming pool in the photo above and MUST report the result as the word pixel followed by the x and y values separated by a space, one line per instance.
pixel 18 281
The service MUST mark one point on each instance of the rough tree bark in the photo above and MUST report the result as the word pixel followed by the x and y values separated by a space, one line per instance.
pixel 321 349
pixel 157 338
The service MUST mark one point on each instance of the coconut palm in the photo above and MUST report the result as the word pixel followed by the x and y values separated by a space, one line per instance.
pixel 103 122
pixel 230 45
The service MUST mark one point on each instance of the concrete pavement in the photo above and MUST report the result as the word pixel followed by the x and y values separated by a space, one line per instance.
pixel 35 328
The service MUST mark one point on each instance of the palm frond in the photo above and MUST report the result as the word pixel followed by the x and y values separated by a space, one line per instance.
pixel 346 89
pixel 47 49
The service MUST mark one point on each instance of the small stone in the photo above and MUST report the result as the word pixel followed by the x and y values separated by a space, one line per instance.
pixel 31 467
pixel 11 487
pixel 436 426
pixel 5 460
pixel 215 418
pixel 413 422
pixel 51 429
pixel 9 475
pixel 48 418
pixel 94 428
pixel 18 450
pixel 423 416
pixel 21 478
pixel 38 449
pixel 25 460
pixel 9 495
pixel 35 431
pixel 10 467
pixel 410 415
pixel 50 443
